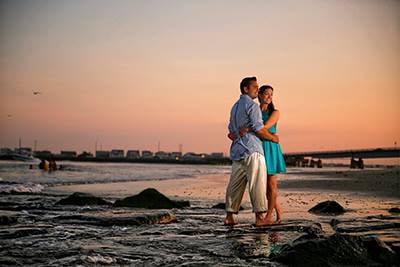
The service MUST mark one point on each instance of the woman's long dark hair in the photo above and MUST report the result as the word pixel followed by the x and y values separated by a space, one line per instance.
pixel 271 107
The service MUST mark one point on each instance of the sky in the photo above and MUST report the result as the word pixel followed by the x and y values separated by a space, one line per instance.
pixel 132 74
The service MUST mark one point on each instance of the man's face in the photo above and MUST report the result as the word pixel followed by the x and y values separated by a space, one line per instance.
pixel 252 89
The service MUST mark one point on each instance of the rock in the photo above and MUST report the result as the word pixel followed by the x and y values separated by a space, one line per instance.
pixel 337 250
pixel 98 259
pixel 327 207
pixel 396 248
pixel 299 226
pixel 23 232
pixel 8 217
pixel 82 199
pixel 150 199
pixel 394 210
pixel 222 206
pixel 120 218
pixel 9 261
pixel 365 226
pixel 314 229
pixel 334 222
pixel 6 205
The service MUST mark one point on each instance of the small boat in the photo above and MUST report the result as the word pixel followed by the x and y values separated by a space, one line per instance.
pixel 18 154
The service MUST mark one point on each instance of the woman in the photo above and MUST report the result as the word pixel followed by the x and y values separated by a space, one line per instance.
pixel 272 151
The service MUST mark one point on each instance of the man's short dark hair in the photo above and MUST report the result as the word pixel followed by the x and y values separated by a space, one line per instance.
pixel 246 82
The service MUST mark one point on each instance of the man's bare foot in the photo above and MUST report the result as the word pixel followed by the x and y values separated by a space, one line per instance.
pixel 229 221
pixel 278 221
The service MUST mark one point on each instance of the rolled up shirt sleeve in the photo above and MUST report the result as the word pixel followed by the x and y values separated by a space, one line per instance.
pixel 230 125
pixel 255 116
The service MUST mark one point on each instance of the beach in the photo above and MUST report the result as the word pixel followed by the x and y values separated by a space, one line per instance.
pixel 195 236
pixel 365 191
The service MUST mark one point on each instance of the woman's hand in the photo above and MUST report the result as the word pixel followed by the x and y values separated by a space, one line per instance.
pixel 243 131
pixel 275 138
pixel 232 136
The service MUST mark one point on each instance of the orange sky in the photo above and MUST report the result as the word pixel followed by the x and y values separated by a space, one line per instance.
pixel 134 73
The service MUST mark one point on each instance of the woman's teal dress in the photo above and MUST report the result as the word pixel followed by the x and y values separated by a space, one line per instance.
pixel 272 152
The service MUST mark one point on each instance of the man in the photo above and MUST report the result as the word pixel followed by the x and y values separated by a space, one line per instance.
pixel 248 162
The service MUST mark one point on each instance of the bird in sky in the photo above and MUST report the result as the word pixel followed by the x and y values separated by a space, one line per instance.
pixel 36 93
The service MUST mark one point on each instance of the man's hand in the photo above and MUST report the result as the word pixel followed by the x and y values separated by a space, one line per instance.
pixel 232 136
pixel 243 131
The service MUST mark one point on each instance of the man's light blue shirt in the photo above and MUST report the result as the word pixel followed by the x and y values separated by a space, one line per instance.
pixel 245 113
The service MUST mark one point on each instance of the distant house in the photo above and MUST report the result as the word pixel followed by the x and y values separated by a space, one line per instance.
pixel 68 154
pixel 146 154
pixel 133 154
pixel 117 154
pixel 102 154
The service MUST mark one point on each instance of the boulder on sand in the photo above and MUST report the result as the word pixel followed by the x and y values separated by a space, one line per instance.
pixel 117 217
pixel 337 250
pixel 150 198
pixel 394 210
pixel 8 217
pixel 82 199
pixel 328 207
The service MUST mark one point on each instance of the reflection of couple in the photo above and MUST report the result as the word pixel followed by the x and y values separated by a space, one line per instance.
pixel 256 155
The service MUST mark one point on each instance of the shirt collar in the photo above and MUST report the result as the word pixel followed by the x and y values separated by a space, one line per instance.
pixel 245 96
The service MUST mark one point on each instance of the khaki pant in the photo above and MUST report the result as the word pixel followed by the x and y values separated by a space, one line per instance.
pixel 251 169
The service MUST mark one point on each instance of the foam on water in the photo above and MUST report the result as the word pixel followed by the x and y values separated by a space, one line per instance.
pixel 14 188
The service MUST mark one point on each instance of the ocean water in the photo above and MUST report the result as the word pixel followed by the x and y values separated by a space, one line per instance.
pixel 19 175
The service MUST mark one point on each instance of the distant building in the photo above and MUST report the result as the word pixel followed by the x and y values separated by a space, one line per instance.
pixel 216 155
pixel 85 154
pixel 176 155
pixel 43 153
pixel 162 155
pixel 24 150
pixel 194 156
pixel 5 150
pixel 117 154
pixel 68 154
pixel 146 154
pixel 102 154
pixel 133 154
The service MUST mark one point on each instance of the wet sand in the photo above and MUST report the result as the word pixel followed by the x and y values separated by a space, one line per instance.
pixel 371 191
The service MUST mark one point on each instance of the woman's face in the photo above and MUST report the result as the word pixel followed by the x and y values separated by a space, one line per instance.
pixel 266 97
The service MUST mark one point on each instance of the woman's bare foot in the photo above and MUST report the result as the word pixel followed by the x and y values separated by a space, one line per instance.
pixel 278 215
pixel 264 221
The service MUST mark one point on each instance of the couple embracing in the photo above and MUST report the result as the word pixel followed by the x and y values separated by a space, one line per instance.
pixel 255 153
